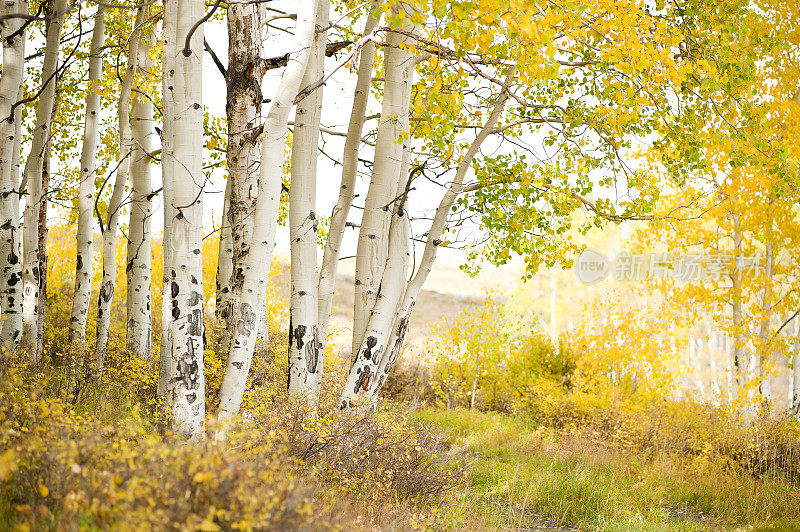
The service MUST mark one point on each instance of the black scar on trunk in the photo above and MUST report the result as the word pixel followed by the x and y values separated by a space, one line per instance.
pixel 363 379
pixel 312 351
pixel 371 343
pixel 299 332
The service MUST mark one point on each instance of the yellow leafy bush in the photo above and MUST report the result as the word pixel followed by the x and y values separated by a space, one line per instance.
pixel 105 466
pixel 481 361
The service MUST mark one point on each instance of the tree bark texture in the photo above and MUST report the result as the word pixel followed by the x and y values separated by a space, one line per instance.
pixel 87 189
pixel 31 269
pixel 10 230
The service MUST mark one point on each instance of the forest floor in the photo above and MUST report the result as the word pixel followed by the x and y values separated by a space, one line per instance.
pixel 524 477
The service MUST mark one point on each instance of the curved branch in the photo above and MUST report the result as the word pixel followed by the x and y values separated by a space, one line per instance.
pixel 187 47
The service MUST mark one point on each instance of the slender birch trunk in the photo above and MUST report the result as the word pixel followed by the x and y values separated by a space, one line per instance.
pixel 109 281
pixel 243 110
pixel 713 345
pixel 330 257
pixel 31 272
pixel 372 250
pixel 168 51
pixel 739 365
pixel 695 356
pixel 477 376
pixel 250 312
pixel 372 354
pixel 795 398
pixel 305 360
pixel 138 265
pixel 10 93
pixel 435 233
pixel 363 375
pixel 761 355
pixel 224 254
pixel 185 268
pixel 41 233
pixel 86 192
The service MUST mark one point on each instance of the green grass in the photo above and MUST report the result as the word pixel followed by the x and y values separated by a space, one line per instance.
pixel 524 476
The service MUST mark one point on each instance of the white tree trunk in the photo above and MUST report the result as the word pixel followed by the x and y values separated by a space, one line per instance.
pixel 373 240
pixel 10 92
pixel 431 246
pixel 138 265
pixel 243 109
pixel 761 354
pixel 305 359
pixel 86 192
pixel 330 257
pixel 795 390
pixel 250 312
pixel 31 273
pixel 695 355
pixel 108 283
pixel 738 363
pixel 364 376
pixel 168 51
pixel 185 268
pixel 224 253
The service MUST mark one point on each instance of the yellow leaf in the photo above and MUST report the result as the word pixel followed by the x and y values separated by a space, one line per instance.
pixel 8 464
pixel 201 477
pixel 43 491
pixel 208 525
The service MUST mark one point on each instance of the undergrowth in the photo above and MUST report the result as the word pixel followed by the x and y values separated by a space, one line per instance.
pixel 101 463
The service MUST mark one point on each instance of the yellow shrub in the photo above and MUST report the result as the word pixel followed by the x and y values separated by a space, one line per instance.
pixel 481 353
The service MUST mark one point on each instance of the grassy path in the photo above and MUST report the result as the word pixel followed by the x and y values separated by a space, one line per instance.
pixel 525 477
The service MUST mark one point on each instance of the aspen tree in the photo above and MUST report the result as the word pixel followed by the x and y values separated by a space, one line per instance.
pixel 86 192
pixel 305 357
pixel 138 262
pixel 795 391
pixel 384 364
pixel 243 109
pixel 185 229
pixel 109 280
pixel 330 257
pixel 250 312
pixel 10 118
pixel 31 272
pixel 761 354
pixel 372 249
pixel 168 51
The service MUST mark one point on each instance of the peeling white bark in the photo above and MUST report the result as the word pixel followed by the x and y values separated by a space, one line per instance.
pixel 250 311
pixel 372 249
pixel 738 362
pixel 306 361
pixel 10 251
pixel 168 45
pixel 185 269
pixel 109 280
pixel 243 110
pixel 364 376
pixel 224 254
pixel 31 274
pixel 762 354
pixel 138 265
pixel 86 192
pixel 330 257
